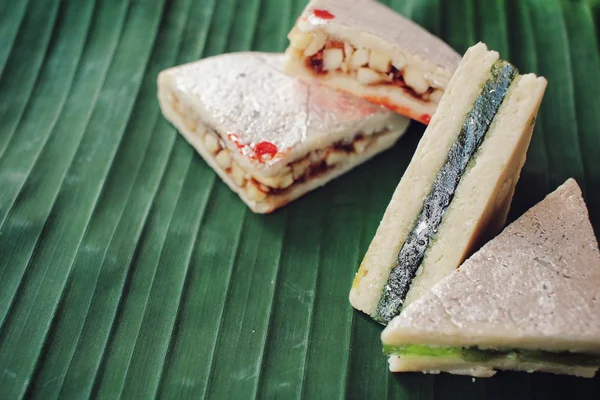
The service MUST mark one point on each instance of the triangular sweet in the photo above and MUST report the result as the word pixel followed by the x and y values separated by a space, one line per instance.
pixel 536 286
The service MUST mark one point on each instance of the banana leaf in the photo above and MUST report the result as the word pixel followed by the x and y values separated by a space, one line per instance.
pixel 127 269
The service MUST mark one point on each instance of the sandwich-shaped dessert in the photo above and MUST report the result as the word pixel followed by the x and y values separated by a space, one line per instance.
pixel 367 49
pixel 529 300
pixel 271 137
pixel 458 186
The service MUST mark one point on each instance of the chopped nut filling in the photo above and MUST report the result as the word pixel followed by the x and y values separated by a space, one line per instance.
pixel 369 67
pixel 258 188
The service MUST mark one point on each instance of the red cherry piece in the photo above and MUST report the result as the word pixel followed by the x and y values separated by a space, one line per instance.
pixel 263 148
pixel 323 14
pixel 425 118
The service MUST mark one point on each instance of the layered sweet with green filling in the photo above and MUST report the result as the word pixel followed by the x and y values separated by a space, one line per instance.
pixel 460 156
pixel 474 354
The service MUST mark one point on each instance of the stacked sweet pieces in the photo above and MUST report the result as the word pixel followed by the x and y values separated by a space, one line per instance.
pixel 458 187
pixel 271 137
pixel 366 49
pixel 528 300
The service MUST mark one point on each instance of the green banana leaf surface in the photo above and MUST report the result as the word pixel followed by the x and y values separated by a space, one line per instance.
pixel 128 269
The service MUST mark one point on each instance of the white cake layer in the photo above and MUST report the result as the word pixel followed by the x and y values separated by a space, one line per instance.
pixel 457 366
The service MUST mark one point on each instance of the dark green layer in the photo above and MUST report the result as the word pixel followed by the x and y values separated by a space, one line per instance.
pixel 472 133
pixel 475 354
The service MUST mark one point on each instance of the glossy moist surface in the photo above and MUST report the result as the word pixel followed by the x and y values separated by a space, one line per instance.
pixel 476 124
